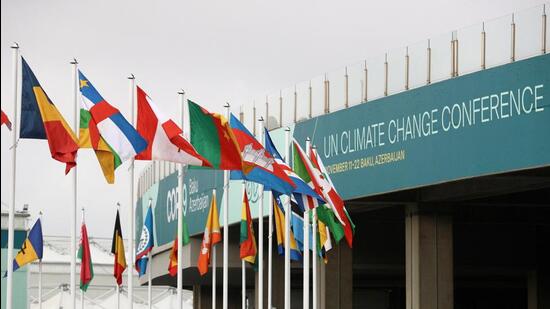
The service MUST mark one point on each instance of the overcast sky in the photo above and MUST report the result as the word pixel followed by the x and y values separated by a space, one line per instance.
pixel 216 50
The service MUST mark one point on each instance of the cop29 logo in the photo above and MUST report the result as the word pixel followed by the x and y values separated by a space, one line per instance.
pixel 172 199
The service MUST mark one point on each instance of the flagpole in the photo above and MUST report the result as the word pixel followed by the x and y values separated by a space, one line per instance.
pixel 9 259
pixel 180 211
pixel 306 252
pixel 81 291
pixel 40 272
pixel 261 236
pixel 287 229
pixel 116 283
pixel 150 280
pixel 132 254
pixel 243 267
pixel 75 187
pixel 117 297
pixel 214 266
pixel 226 227
pixel 315 252
pixel 270 252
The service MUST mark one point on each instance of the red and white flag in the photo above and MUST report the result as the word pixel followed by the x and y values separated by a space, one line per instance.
pixel 6 120
pixel 323 186
pixel 163 136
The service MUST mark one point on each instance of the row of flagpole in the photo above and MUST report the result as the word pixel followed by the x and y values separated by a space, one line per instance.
pixel 288 212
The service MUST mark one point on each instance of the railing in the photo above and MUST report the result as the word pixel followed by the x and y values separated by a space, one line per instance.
pixel 495 42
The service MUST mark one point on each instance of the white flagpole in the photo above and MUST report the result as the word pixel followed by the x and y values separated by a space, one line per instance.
pixel 150 280
pixel 226 227
pixel 287 230
pixel 117 297
pixel 243 269
pixel 117 289
pixel 270 253
pixel 180 211
pixel 132 255
pixel 75 186
pixel 261 235
pixel 81 291
pixel 40 284
pixel 9 259
pixel 315 253
pixel 306 252
pixel 214 266
pixel 214 277
pixel 40 273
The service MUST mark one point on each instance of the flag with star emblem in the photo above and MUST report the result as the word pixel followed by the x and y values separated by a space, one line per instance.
pixel 104 129
pixel 213 139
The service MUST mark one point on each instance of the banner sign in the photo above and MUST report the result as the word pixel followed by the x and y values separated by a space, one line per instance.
pixel 493 121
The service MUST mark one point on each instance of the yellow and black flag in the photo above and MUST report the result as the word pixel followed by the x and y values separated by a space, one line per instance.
pixel 117 248
pixel 32 248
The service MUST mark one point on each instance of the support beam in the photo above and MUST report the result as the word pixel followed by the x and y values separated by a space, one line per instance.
pixel 429 258
pixel 336 279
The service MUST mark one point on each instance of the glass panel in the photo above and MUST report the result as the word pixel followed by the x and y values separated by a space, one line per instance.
pixel 288 106
pixel 441 57
pixel 418 64
pixel 337 89
pixel 469 49
pixel 396 70
pixel 375 78
pixel 302 91
pixel 318 95
pixel 498 41
pixel 528 32
pixel 356 83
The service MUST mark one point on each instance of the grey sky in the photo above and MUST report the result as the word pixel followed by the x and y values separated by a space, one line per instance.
pixel 216 50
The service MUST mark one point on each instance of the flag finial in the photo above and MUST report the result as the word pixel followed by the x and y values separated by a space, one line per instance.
pixel 15 45
pixel 74 61
pixel 131 76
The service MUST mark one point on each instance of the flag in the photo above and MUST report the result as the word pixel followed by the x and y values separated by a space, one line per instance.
pixel 305 196
pixel 297 223
pixel 322 184
pixel 124 140
pixel 279 218
pixel 326 216
pixel 163 136
pixel 248 240
pixel 146 243
pixel 212 235
pixel 6 120
pixel 331 195
pixel 258 164
pixel 324 243
pixel 32 248
pixel 213 139
pixel 117 249
pixel 40 119
pixel 89 137
pixel 86 266
pixel 173 259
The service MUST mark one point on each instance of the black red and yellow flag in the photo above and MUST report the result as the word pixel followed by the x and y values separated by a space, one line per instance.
pixel 117 248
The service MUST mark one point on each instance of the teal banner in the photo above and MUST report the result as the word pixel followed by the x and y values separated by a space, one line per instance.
pixel 197 195
pixel 489 122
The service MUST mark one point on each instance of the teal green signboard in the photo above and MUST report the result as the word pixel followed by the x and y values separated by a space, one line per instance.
pixel 488 122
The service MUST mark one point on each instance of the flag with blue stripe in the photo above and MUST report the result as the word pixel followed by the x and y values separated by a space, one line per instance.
pixel 123 139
